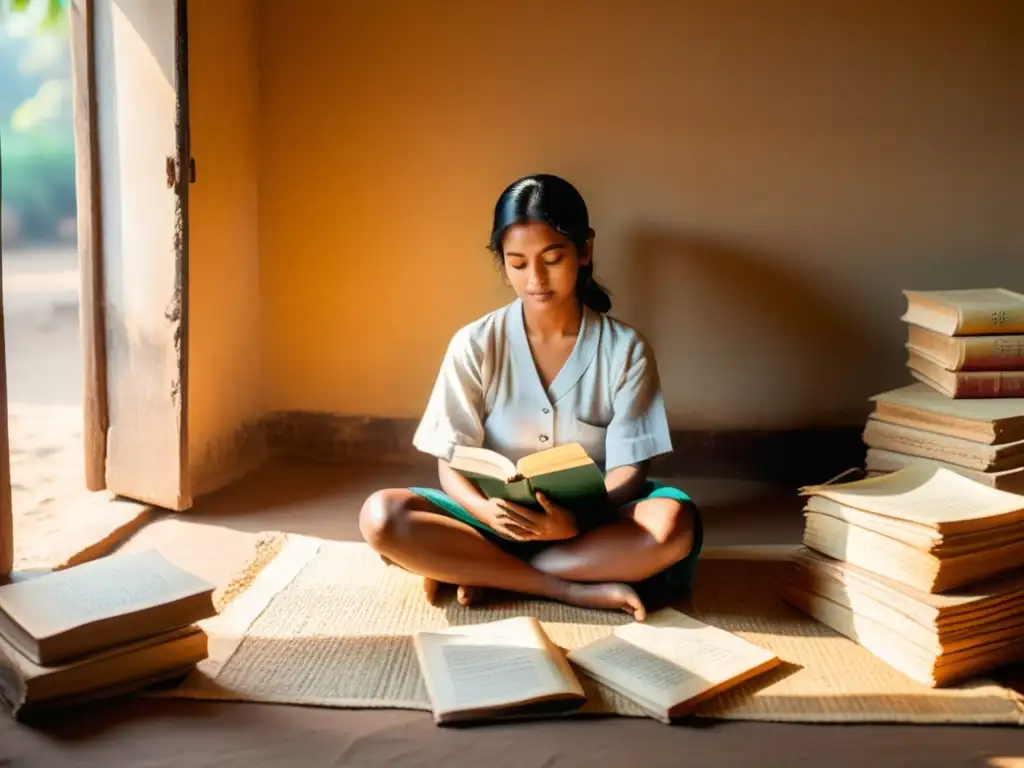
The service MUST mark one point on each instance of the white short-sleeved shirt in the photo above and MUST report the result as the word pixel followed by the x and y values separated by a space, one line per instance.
pixel 489 394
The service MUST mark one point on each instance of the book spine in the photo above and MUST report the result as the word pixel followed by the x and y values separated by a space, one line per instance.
pixel 990 321
pixel 989 384
pixel 992 353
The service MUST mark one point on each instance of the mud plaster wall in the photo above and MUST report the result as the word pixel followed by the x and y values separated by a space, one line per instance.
pixel 225 337
pixel 764 178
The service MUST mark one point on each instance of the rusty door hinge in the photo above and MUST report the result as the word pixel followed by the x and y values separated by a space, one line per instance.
pixel 171 169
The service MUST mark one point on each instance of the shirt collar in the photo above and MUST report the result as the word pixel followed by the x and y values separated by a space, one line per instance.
pixel 583 352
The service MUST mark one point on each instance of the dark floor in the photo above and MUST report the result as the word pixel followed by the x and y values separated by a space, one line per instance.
pixel 324 501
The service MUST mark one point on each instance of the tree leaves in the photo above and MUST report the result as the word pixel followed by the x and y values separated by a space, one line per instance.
pixel 44 14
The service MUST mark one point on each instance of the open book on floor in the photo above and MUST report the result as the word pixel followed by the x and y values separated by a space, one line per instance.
pixel 100 604
pixel 671 663
pixel 495 671
pixel 565 474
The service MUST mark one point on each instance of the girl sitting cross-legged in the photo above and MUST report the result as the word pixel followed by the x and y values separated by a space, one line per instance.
pixel 550 368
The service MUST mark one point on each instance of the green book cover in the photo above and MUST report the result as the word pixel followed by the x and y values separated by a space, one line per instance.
pixel 518 492
pixel 577 489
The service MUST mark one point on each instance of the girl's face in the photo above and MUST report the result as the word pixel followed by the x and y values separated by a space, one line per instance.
pixel 541 264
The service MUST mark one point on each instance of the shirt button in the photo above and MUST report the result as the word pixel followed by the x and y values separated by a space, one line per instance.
pixel 543 438
pixel 546 410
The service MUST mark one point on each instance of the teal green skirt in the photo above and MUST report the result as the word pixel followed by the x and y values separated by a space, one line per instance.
pixel 662 587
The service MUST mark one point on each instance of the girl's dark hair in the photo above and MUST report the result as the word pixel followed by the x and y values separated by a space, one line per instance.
pixel 557 203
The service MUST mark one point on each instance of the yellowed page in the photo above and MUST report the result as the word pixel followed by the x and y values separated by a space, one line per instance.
pixel 555 459
pixel 918 536
pixel 884 460
pixel 984 630
pixel 669 659
pixel 928 495
pixel 484 666
pixel 993 594
pixel 927 442
pixel 921 397
pixel 899 652
pixel 482 461
pixel 896 560
pixel 97 590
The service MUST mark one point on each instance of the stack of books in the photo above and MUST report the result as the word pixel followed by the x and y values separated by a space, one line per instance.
pixel 968 342
pixel 103 628
pixel 922 566
pixel 965 411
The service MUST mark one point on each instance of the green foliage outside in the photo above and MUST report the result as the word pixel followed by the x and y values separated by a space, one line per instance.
pixel 36 122
pixel 39 183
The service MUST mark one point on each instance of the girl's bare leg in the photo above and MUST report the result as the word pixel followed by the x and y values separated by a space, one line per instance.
pixel 406 529
pixel 650 536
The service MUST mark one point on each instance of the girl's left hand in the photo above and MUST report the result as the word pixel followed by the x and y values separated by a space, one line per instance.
pixel 554 524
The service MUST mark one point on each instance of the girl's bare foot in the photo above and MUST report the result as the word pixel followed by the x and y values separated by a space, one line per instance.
pixel 467 596
pixel 430 589
pixel 612 596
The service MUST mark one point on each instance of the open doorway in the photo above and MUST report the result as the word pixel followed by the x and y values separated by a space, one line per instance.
pixel 40 276
pixel 115 427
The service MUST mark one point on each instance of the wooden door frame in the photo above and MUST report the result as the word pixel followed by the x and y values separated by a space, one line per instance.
pixel 6 509
pixel 90 244
pixel 92 305
pixel 90 290
pixel 88 194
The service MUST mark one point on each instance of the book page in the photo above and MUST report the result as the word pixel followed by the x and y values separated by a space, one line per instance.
pixel 478 673
pixel 882 460
pixel 1000 589
pixel 483 461
pixel 916 535
pixel 926 494
pixel 97 590
pixel 554 459
pixel 918 439
pixel 490 665
pixel 671 658
pixel 654 681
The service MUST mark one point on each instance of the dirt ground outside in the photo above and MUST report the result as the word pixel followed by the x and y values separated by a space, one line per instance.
pixel 44 380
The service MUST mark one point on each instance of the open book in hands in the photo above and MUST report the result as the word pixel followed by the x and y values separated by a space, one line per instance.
pixel 497 670
pixel 671 663
pixel 565 474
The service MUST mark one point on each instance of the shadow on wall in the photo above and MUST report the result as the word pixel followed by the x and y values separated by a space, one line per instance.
pixel 745 340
